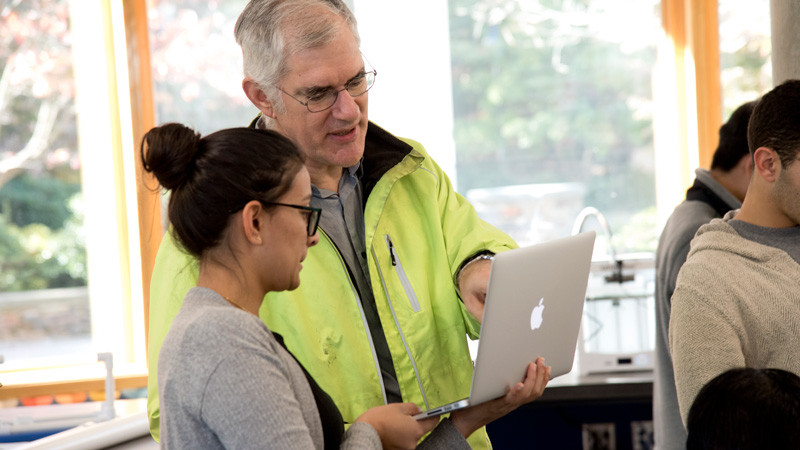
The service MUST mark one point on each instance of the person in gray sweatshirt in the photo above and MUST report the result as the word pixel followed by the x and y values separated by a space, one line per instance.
pixel 737 299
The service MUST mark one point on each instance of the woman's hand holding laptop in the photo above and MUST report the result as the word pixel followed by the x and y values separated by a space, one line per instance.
pixel 469 419
pixel 396 426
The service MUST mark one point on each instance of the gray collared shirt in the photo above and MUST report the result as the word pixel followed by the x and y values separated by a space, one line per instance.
pixel 342 220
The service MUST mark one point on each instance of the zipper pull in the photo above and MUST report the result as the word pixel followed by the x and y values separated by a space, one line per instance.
pixel 391 251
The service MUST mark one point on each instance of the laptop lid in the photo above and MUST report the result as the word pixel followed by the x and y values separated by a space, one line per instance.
pixel 534 305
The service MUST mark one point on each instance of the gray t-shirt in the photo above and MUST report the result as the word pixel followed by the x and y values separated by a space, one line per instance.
pixel 225 382
pixel 786 239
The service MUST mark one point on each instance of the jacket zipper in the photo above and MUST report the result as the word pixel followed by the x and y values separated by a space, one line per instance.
pixel 401 274
pixel 364 322
pixel 395 262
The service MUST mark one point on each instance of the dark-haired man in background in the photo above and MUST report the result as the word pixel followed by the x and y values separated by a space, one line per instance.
pixel 714 193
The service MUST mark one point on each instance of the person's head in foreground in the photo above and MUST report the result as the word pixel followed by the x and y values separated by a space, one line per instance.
pixel 238 197
pixel 746 408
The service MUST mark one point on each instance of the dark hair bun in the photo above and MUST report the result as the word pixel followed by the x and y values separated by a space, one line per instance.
pixel 171 152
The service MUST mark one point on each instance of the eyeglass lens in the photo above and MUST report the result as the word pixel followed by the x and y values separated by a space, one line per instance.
pixel 356 87
pixel 313 221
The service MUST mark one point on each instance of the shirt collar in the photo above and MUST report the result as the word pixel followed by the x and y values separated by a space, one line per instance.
pixel 349 175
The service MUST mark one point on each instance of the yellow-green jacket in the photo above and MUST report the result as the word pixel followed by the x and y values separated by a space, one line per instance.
pixel 418 233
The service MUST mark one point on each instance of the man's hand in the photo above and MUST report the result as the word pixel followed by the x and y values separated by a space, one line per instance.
pixel 472 283
pixel 468 420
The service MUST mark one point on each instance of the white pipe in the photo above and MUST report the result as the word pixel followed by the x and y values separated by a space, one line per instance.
pixel 107 411
pixel 95 435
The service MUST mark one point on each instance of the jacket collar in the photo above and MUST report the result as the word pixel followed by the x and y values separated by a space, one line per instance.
pixel 382 151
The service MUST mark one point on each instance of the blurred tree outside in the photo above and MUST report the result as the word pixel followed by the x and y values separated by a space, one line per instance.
pixel 197 65
pixel 561 91
pixel 41 242
pixel 558 91
pixel 745 52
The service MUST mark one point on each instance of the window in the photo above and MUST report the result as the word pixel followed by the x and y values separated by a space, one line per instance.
pixel 197 65
pixel 538 108
pixel 745 50
pixel 553 110
pixel 70 283
pixel 44 302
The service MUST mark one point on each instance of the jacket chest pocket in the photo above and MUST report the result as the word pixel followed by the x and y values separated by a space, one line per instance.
pixel 397 265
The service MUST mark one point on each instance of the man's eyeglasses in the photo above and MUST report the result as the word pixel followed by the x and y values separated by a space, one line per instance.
pixel 321 99
pixel 313 215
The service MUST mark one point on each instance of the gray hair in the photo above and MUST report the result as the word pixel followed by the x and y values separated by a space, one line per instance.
pixel 269 31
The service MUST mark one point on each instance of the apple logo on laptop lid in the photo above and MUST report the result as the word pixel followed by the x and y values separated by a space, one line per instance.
pixel 536 315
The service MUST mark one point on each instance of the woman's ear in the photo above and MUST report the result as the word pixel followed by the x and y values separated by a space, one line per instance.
pixel 258 97
pixel 252 222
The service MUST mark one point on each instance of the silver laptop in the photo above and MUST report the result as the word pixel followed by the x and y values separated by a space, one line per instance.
pixel 534 304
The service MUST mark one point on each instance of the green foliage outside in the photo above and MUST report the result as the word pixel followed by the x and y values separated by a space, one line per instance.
pixel 561 91
pixel 541 95
pixel 41 241
pixel 27 200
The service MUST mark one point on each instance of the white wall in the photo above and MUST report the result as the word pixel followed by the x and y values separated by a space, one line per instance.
pixel 408 43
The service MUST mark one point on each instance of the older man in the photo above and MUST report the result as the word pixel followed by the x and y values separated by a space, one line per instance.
pixel 399 276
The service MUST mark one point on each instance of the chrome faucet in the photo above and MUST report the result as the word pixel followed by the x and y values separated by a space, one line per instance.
pixel 577 227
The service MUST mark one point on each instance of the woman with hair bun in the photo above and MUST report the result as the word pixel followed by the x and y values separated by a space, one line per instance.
pixel 239 204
